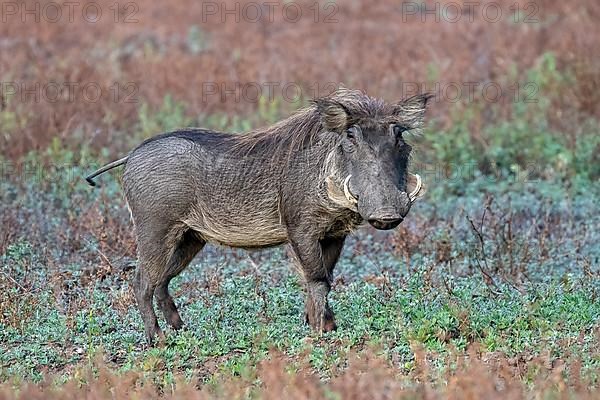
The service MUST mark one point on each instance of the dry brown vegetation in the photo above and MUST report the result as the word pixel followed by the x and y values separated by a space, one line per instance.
pixel 366 376
pixel 177 48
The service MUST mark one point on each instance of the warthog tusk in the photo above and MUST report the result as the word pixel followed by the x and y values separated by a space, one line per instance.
pixel 347 193
pixel 413 195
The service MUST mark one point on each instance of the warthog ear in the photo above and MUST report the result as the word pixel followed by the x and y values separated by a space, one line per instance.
pixel 334 116
pixel 411 111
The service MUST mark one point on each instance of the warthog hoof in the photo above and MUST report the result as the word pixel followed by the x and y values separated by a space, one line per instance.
pixel 321 321
pixel 155 338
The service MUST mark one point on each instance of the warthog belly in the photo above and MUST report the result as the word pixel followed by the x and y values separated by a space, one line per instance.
pixel 243 229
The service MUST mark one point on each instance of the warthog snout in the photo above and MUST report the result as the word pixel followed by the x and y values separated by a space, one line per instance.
pixel 389 217
pixel 385 222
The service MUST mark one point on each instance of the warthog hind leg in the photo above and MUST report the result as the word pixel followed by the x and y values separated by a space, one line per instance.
pixel 144 293
pixel 187 248
pixel 158 252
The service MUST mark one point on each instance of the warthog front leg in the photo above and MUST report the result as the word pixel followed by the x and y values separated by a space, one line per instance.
pixel 317 259
pixel 317 312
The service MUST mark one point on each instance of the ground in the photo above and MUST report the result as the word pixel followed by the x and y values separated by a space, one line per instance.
pixel 504 272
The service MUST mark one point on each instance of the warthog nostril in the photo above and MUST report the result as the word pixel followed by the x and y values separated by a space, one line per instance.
pixel 386 222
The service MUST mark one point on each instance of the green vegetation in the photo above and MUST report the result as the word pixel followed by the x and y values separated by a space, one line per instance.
pixel 238 305
pixel 501 254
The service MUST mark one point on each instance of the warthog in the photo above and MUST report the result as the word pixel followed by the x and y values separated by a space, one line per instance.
pixel 309 181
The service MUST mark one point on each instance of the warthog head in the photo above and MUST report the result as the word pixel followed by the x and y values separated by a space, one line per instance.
pixel 371 159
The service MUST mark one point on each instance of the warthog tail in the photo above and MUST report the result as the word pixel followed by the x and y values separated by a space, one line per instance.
pixel 90 178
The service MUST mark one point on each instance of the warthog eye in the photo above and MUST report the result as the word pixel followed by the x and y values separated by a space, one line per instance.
pixel 352 131
pixel 351 138
pixel 398 130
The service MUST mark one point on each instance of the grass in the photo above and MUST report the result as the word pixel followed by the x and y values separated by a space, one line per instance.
pixel 70 305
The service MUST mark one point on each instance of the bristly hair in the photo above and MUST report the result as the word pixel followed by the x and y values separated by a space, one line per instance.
pixel 333 113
